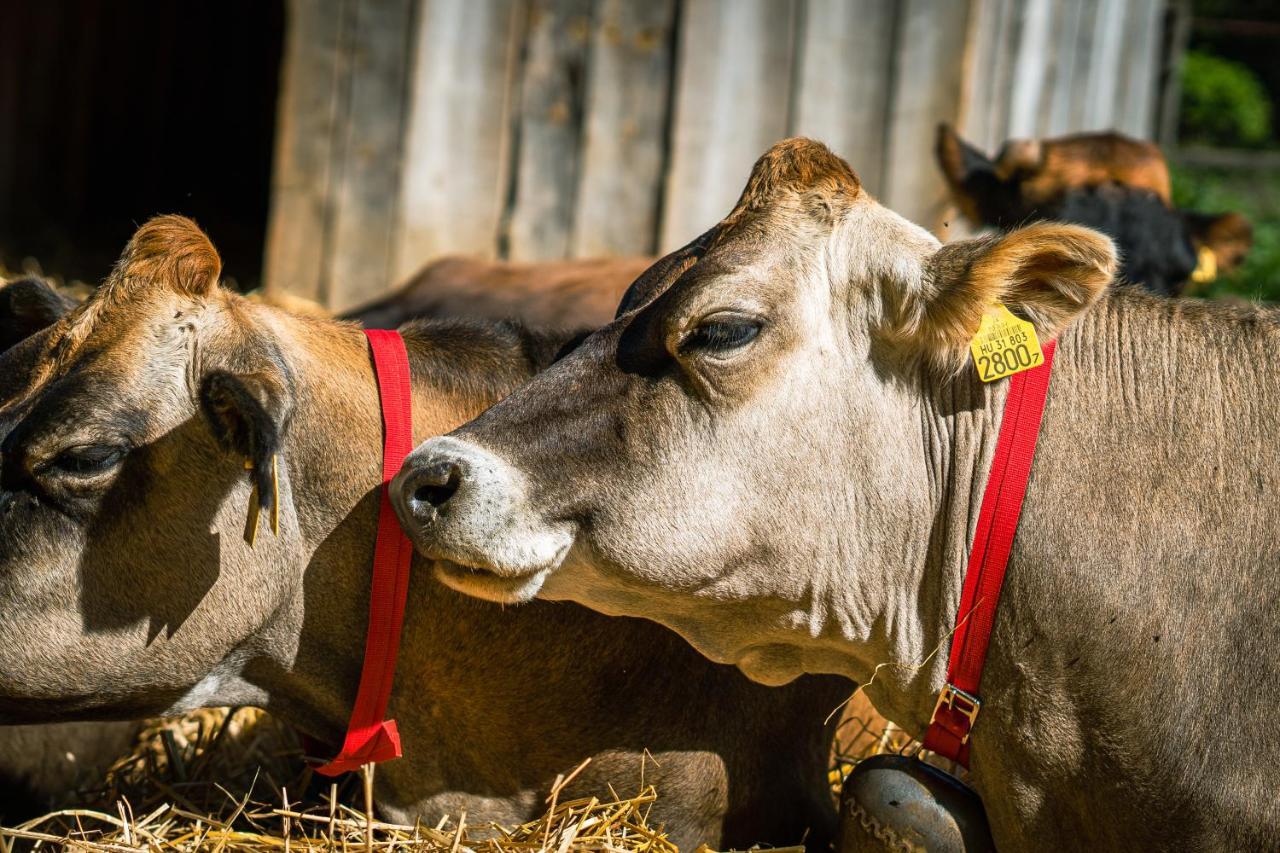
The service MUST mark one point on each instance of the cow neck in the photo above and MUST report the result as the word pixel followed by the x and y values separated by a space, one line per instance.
pixel 958 703
pixel 372 736
pixel 334 454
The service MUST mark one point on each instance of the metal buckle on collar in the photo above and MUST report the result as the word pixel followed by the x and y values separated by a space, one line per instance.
pixel 960 701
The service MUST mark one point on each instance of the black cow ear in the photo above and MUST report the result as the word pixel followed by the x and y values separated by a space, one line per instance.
pixel 970 174
pixel 27 306
pixel 654 281
pixel 249 414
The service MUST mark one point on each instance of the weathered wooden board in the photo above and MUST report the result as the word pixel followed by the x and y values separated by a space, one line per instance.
pixel 1139 68
pixel 1031 69
pixel 843 65
pixel 1103 80
pixel 1068 68
pixel 550 128
pixel 549 131
pixel 624 155
pixel 368 155
pixel 733 87
pixel 456 165
pixel 928 83
pixel 989 79
pixel 310 115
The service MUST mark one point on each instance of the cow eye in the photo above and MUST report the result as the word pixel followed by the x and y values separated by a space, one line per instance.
pixel 85 460
pixel 722 334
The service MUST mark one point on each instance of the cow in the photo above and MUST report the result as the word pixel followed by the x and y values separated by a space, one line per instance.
pixel 127 587
pixel 41 765
pixel 552 294
pixel 779 449
pixel 1106 181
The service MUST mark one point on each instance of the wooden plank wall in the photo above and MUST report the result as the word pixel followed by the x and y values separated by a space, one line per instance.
pixel 537 129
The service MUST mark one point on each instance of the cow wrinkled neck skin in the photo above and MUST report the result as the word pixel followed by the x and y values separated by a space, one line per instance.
pixel 777 450
pixel 127 589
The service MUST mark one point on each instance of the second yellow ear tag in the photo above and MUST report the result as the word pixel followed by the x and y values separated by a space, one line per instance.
pixel 1004 345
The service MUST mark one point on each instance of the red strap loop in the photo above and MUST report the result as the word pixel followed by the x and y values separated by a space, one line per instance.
pixel 958 704
pixel 371 737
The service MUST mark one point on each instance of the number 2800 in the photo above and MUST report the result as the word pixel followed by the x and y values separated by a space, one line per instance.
pixel 1005 361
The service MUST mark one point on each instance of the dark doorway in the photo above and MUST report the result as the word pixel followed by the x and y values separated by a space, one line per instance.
pixel 111 112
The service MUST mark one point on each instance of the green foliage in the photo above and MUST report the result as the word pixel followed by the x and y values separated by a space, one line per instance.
pixel 1223 103
pixel 1256 194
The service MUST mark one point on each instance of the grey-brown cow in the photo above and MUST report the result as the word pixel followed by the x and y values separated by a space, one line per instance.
pixel 779 450
pixel 40 766
pixel 127 588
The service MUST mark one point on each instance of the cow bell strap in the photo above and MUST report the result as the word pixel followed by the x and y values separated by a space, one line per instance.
pixel 958 703
pixel 370 736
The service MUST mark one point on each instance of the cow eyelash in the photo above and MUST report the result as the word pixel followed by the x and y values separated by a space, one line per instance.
pixel 87 460
pixel 721 335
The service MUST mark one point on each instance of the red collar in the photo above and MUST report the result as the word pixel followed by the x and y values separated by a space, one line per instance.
pixel 370 736
pixel 958 703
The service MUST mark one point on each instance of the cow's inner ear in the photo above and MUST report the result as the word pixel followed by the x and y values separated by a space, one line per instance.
pixel 249 415
pixel 1047 273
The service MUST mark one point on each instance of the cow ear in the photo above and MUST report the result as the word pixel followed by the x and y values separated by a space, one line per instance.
pixel 968 172
pixel 168 251
pixel 654 281
pixel 27 306
pixel 1047 273
pixel 249 414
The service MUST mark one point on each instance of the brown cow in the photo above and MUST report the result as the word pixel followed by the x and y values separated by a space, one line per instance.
pixel 780 450
pixel 553 294
pixel 1106 181
pixel 127 588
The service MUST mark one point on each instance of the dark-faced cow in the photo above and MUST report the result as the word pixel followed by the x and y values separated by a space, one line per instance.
pixel 127 588
pixel 554 294
pixel 779 449
pixel 1105 181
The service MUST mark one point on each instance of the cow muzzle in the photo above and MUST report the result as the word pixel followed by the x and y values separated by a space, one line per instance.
pixel 470 511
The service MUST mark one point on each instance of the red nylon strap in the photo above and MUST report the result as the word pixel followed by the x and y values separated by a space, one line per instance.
pixel 948 732
pixel 371 737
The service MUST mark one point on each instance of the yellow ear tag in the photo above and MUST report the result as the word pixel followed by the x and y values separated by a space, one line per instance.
pixel 1206 266
pixel 275 496
pixel 1004 345
pixel 255 509
pixel 255 504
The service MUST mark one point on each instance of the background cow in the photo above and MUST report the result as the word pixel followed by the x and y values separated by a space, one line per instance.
pixel 555 294
pixel 1106 181
pixel 780 449
pixel 127 587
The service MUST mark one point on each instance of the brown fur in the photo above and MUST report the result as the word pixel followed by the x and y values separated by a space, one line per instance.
pixel 1046 273
pixel 1047 168
pixel 130 591
pixel 556 294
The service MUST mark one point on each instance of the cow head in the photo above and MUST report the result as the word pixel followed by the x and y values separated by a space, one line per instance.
pixel 747 442
pixel 137 436
pixel 1221 240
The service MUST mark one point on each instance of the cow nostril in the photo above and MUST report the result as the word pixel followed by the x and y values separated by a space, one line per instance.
pixel 437 484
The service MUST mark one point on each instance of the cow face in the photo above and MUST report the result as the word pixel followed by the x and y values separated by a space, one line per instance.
pixel 742 454
pixel 125 430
